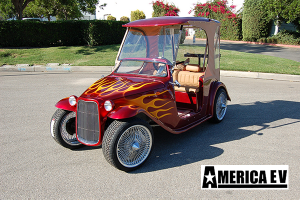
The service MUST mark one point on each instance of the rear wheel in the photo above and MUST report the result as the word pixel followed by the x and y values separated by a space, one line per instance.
pixel 127 144
pixel 62 127
pixel 220 106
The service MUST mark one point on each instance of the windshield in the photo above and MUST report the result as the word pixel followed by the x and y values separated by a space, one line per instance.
pixel 151 42
pixel 142 68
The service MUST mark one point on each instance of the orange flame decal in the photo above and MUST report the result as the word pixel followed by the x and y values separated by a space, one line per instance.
pixel 105 87
pixel 140 102
pixel 156 106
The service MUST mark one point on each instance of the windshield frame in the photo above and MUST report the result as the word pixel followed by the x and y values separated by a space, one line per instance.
pixel 160 33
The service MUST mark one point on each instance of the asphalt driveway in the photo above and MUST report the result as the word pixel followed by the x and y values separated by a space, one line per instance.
pixel 261 127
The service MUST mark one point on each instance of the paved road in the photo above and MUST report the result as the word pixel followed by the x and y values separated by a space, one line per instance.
pixel 277 51
pixel 261 128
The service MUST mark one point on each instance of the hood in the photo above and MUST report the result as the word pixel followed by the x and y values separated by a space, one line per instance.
pixel 114 87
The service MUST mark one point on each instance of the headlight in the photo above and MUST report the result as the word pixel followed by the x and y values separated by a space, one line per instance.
pixel 72 100
pixel 108 105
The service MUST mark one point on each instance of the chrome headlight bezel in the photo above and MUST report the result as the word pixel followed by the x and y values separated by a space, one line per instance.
pixel 73 100
pixel 108 105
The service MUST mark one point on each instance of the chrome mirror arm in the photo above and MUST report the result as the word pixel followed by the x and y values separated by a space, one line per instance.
pixel 175 83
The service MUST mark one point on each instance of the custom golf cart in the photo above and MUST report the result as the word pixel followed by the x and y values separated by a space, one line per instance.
pixel 148 85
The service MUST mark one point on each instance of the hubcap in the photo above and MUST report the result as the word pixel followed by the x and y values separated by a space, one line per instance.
pixel 134 146
pixel 221 106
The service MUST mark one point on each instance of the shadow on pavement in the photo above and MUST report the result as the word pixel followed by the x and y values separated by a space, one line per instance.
pixel 196 144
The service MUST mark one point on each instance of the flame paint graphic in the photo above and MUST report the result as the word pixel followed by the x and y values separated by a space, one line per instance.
pixel 140 102
pixel 105 87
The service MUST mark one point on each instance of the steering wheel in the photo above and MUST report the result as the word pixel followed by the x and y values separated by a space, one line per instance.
pixel 155 65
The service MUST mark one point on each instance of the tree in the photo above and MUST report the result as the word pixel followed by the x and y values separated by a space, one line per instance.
pixel 13 8
pixel 283 11
pixel 162 9
pixel 62 9
pixel 6 9
pixel 136 15
pixel 19 6
pixel 218 10
pixel 111 18
pixel 125 19
pixel 40 9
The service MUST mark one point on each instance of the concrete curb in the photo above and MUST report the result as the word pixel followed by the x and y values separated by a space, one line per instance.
pixel 40 68
pixel 107 69
pixel 260 75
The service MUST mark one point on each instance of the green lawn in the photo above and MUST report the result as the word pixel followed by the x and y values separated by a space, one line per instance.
pixel 106 55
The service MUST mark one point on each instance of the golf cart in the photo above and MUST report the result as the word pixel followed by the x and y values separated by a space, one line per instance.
pixel 147 85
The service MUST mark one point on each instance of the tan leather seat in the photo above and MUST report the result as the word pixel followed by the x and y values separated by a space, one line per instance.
pixel 189 80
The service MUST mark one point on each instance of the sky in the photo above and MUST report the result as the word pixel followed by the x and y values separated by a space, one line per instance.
pixel 119 8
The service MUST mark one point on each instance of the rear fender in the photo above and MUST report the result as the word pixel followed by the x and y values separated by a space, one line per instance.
pixel 215 86
pixel 64 105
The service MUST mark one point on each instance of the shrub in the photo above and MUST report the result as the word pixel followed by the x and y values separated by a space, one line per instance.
pixel 136 15
pixel 255 22
pixel 288 37
pixel 160 9
pixel 60 33
pixel 283 37
pixel 111 18
pixel 125 19
pixel 230 22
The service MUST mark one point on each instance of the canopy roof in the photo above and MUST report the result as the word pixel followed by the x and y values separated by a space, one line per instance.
pixel 167 21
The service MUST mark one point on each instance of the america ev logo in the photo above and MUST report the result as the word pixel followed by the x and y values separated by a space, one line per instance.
pixel 244 176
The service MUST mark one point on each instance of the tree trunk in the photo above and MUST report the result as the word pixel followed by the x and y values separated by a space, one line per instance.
pixel 20 5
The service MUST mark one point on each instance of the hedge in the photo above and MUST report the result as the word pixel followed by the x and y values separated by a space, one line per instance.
pixel 60 33
pixel 255 22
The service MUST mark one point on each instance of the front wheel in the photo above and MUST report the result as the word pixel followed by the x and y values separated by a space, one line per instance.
pixel 220 106
pixel 62 127
pixel 127 144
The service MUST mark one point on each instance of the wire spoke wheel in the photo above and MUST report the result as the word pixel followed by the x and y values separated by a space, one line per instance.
pixel 221 106
pixel 127 143
pixel 63 129
pixel 134 146
pixel 68 130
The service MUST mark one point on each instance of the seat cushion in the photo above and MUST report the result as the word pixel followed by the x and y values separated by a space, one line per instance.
pixel 191 79
pixel 186 89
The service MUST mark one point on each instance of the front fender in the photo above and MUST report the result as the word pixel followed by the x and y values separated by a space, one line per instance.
pixel 124 112
pixel 64 105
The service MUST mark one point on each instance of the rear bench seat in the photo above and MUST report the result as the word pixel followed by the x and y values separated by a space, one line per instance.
pixel 188 79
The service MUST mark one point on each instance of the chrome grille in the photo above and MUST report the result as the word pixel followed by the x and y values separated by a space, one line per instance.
pixel 87 122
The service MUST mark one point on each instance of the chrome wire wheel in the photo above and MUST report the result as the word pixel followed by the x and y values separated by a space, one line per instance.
pixel 134 146
pixel 221 105
pixel 68 130
pixel 62 128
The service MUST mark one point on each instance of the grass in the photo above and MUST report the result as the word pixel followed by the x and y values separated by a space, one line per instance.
pixel 75 55
pixel 106 55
